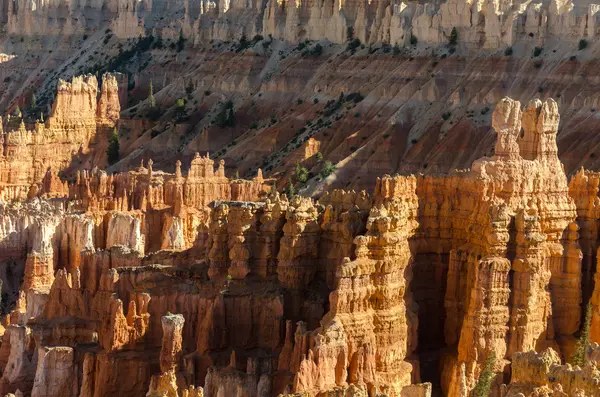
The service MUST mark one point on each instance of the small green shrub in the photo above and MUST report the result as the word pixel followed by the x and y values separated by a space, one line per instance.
pixel 301 173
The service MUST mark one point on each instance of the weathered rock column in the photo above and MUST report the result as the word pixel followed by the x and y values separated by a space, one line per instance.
pixel 241 228
pixel 272 219
pixel 344 218
pixel 218 254
pixel 56 374
pixel 170 353
pixel 299 246
pixel 165 384
pixel 531 304
pixel 371 327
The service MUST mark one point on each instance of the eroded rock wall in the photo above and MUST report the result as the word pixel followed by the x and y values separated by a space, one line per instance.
pixel 490 25
pixel 351 295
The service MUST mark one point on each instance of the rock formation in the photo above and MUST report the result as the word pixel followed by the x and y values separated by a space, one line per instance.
pixel 78 127
pixel 403 292
pixel 541 374
pixel 494 24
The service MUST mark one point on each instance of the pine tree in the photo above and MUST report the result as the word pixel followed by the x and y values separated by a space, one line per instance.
pixel 290 191
pixel 578 357
pixel 350 33
pixel 18 111
pixel 112 153
pixel 453 37
pixel 33 103
pixel 226 115
pixel 483 388
pixel 413 39
pixel 180 41
pixel 237 174
pixel 151 99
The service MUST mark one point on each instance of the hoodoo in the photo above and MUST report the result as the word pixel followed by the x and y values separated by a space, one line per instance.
pixel 193 284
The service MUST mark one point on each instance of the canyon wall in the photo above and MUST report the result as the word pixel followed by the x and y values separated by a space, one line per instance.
pixel 189 284
pixel 489 25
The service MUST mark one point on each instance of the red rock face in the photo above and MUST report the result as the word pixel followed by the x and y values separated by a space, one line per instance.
pixel 189 284
pixel 78 127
